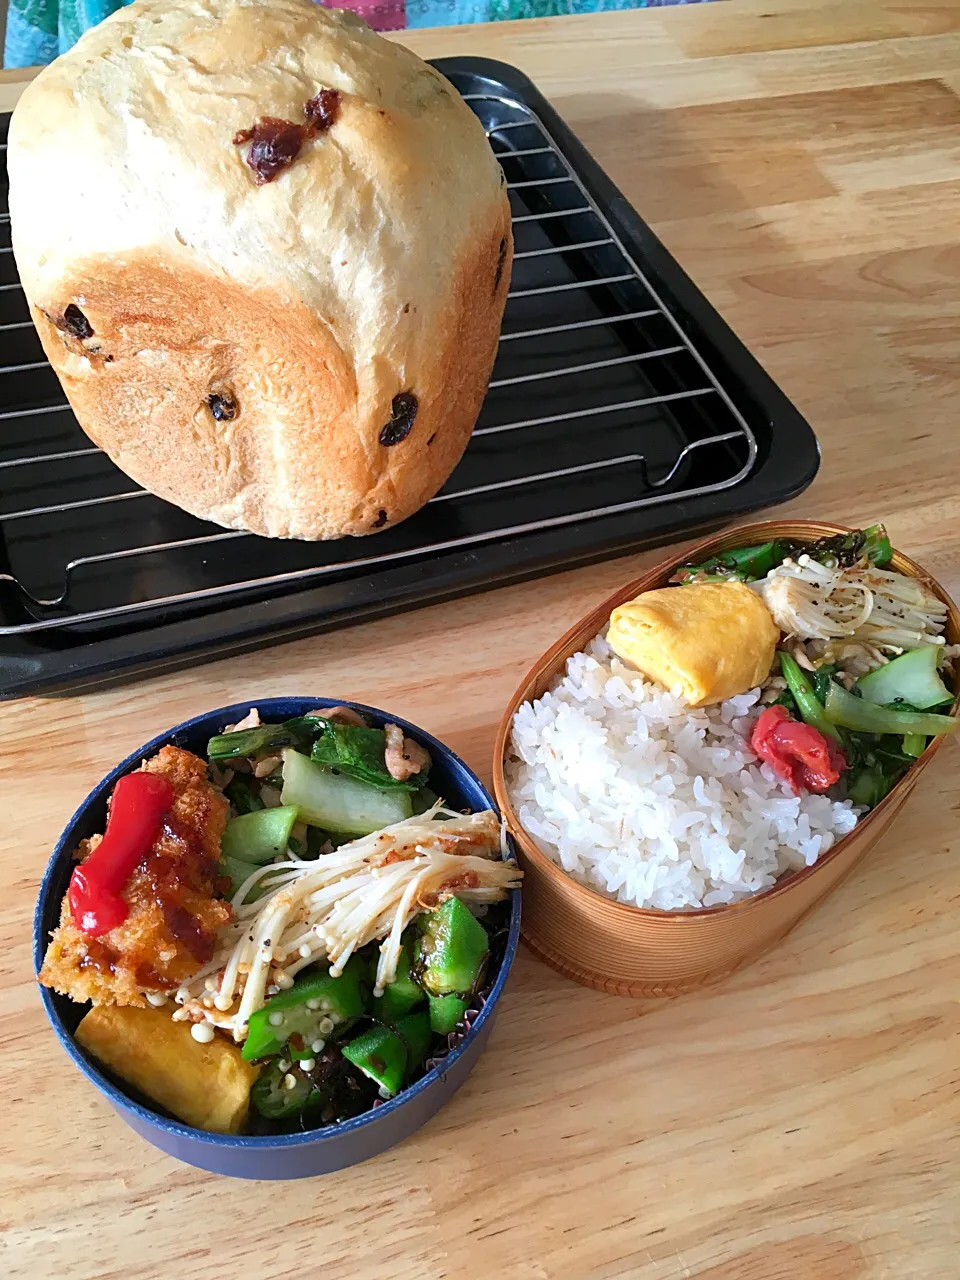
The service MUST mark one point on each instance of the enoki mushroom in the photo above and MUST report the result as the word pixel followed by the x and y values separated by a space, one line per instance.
pixel 330 907
pixel 874 606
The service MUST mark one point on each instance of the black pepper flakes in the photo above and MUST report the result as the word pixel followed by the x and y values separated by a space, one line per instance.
pixel 75 322
pixel 403 412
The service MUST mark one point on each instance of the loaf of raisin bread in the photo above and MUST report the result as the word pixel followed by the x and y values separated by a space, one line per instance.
pixel 267 252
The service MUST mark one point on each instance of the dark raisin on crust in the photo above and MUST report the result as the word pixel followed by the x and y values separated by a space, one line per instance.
pixel 276 143
pixel 501 259
pixel 381 519
pixel 74 321
pixel 223 406
pixel 322 111
pixel 403 411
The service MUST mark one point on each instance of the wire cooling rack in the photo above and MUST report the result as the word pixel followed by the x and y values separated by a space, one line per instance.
pixel 620 409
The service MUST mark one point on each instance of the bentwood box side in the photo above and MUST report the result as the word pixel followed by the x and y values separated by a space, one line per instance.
pixel 643 952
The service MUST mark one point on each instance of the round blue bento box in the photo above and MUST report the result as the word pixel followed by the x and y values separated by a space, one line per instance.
pixel 300 1155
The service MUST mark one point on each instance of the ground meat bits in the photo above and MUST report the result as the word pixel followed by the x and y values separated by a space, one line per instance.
pixel 403 411
pixel 276 143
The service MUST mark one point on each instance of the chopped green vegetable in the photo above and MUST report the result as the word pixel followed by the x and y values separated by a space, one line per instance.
pixel 750 563
pixel 238 872
pixel 746 563
pixel 850 712
pixel 274 1098
pixel 242 794
pixel 314 1000
pixel 912 678
pixel 338 803
pixel 446 1013
pixel 452 951
pixel 258 837
pixel 914 744
pixel 867 787
pixel 823 678
pixel 414 1030
pixel 360 754
pixel 266 737
pixel 382 1055
pixel 423 800
pixel 806 700
pixel 401 995
pixel 877 545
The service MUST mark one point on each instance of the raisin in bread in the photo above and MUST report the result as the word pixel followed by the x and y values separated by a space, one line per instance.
pixel 267 252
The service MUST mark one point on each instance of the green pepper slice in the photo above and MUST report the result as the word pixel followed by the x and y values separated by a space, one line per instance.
pixel 452 951
pixel 446 1013
pixel 402 995
pixel 274 1097
pixel 415 1031
pixel 382 1056
pixel 313 1001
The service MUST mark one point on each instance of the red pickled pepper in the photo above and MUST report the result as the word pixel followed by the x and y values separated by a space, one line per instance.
pixel 797 753
pixel 139 802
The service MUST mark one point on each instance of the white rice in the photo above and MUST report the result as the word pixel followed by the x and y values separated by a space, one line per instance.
pixel 652 802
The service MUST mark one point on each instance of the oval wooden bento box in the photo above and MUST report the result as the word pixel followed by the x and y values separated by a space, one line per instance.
pixel 641 952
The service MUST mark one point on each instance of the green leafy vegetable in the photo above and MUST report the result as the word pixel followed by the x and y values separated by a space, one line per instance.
pixel 750 563
pixel 243 794
pixel 298 732
pixel 238 871
pixel 338 803
pixel 360 754
pixel 823 678
pixel 913 678
pixel 260 836
pixel 850 712
pixel 806 700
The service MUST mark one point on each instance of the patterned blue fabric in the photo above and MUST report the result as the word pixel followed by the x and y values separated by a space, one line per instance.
pixel 451 13
pixel 37 30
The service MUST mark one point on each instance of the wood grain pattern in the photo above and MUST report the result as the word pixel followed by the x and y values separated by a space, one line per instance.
pixel 798 1123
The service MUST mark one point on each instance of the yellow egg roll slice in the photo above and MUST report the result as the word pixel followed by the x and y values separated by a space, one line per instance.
pixel 714 639
pixel 204 1085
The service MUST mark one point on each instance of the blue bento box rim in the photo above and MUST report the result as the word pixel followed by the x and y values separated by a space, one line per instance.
pixel 268 707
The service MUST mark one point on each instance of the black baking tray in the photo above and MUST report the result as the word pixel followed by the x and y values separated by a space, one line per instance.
pixel 622 412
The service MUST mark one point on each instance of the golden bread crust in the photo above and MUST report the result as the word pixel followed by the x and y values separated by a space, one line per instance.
pixel 240 347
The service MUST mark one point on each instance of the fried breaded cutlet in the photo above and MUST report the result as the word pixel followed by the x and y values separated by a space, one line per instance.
pixel 174 912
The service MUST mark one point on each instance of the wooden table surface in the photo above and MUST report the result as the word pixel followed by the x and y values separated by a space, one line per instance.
pixel 802 160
